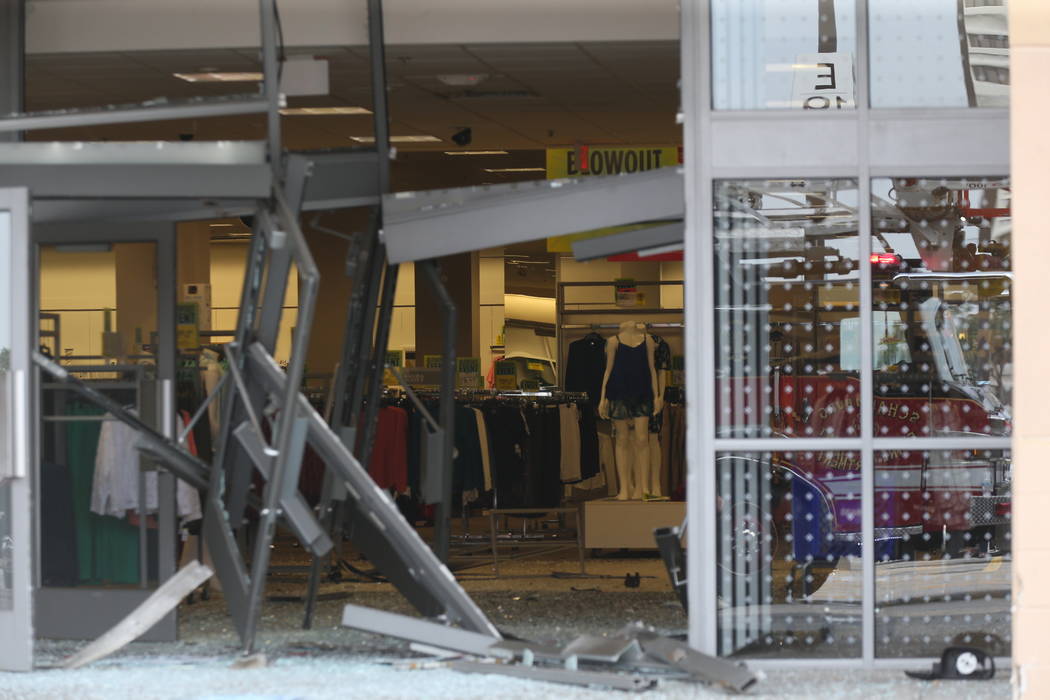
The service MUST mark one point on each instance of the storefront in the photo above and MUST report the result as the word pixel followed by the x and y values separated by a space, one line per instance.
pixel 828 312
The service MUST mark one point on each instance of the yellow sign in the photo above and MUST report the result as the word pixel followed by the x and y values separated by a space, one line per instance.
pixel 608 160
pixel 604 160
pixel 506 375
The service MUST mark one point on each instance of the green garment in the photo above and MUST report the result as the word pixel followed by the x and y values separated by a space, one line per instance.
pixel 107 547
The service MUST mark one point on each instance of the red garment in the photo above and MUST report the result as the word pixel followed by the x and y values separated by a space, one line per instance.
pixel 389 463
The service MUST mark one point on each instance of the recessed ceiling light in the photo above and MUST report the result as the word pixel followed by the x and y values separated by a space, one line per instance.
pixel 462 79
pixel 476 153
pixel 220 77
pixel 320 111
pixel 515 170
pixel 413 138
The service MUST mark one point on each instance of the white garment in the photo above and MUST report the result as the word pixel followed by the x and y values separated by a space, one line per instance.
pixel 115 483
pixel 486 457
pixel 569 424
pixel 212 375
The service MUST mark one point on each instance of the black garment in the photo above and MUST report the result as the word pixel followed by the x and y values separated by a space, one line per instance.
pixel 58 536
pixel 590 462
pixel 631 379
pixel 509 439
pixel 543 458
pixel 468 472
pixel 661 361
pixel 585 367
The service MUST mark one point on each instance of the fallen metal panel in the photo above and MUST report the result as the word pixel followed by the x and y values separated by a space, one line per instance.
pixel 420 225
pixel 616 681
pixel 162 169
pixel 710 669
pixel 125 114
pixel 79 210
pixel 160 603
pixel 409 554
pixel 628 241
pixel 339 179
pixel 609 650
pixel 422 631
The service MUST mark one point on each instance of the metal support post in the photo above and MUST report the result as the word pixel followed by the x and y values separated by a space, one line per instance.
pixel 12 62
pixel 442 526
pixel 271 84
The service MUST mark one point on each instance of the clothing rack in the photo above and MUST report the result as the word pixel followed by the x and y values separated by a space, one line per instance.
pixel 100 384
pixel 610 326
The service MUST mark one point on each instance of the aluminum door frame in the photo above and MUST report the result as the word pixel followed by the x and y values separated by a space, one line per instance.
pixel 863 143
pixel 85 613
pixel 16 641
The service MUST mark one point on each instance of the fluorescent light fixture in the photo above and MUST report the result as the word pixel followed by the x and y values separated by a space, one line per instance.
pixel 462 79
pixel 410 138
pixel 476 153
pixel 220 225
pixel 515 170
pixel 321 111
pixel 220 77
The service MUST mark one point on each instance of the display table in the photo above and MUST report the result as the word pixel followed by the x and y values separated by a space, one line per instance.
pixel 612 524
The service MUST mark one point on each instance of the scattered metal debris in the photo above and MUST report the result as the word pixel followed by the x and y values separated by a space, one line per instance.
pixel 149 613
pixel 636 658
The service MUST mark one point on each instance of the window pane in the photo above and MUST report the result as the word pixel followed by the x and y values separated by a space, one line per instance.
pixel 787 303
pixel 939 53
pixel 789 574
pixel 942 279
pixel 783 54
pixel 942 550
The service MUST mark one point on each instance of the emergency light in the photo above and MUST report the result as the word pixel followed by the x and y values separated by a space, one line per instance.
pixel 885 259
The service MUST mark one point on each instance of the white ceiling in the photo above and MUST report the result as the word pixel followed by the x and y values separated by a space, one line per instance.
pixel 537 95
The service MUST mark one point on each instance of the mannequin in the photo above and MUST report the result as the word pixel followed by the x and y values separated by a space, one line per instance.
pixel 630 396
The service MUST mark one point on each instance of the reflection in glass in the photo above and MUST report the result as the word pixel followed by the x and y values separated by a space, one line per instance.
pixel 783 54
pixel 943 562
pixel 942 306
pixel 789 574
pixel 787 303
pixel 939 53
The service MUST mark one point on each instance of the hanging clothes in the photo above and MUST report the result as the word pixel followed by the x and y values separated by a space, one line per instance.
pixel 510 437
pixel 569 426
pixel 115 484
pixel 585 367
pixel 486 450
pixel 107 547
pixel 662 363
pixel 389 461
pixel 543 457
pixel 590 460
pixel 468 473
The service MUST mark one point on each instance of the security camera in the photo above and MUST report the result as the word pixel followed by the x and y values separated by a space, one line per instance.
pixel 463 137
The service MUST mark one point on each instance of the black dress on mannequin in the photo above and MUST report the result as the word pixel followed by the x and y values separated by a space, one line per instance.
pixel 630 386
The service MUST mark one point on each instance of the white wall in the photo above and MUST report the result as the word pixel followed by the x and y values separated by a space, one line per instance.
pixel 403 321
pixel 79 281
pixel 55 26
pixel 227 277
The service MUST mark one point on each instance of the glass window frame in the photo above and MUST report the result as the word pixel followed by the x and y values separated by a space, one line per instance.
pixel 864 143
